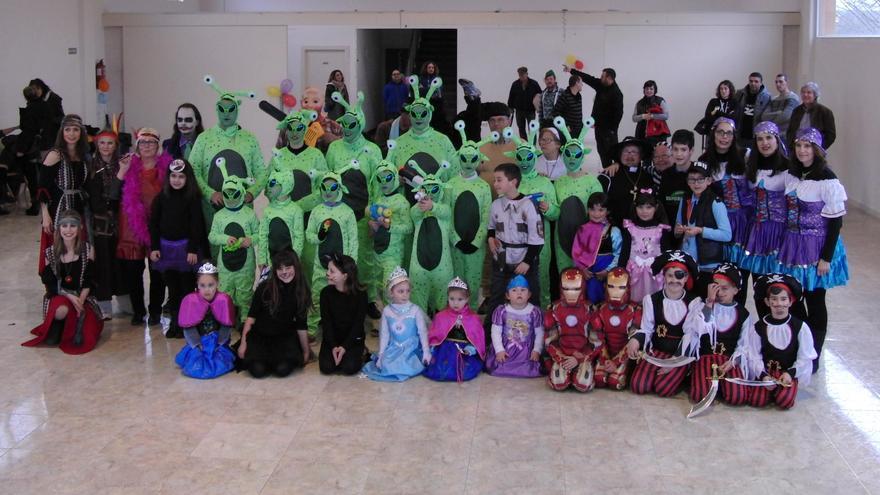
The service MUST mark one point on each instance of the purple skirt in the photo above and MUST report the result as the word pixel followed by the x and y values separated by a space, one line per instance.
pixel 762 248
pixel 740 219
pixel 517 365
pixel 173 257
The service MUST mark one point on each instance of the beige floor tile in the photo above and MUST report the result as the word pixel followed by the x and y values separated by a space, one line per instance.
pixel 245 442
pixel 15 427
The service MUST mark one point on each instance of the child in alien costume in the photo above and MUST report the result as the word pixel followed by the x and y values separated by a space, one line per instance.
pixel 354 146
pixel 421 137
pixel 430 265
pixel 232 233
pixel 303 162
pixel 332 228
pixel 237 147
pixel 572 191
pixel 282 224
pixel 390 221
pixel 470 198
pixel 542 192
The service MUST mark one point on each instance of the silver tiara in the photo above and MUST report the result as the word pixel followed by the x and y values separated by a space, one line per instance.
pixel 208 269
pixel 458 283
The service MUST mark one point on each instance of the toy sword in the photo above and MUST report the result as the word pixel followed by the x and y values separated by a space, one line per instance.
pixel 673 362
pixel 703 405
pixel 756 383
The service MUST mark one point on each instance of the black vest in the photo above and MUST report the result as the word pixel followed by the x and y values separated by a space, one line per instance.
pixel 772 355
pixel 725 341
pixel 708 251
pixel 667 337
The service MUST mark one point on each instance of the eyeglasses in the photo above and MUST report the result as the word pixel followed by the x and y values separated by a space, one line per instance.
pixel 696 180
pixel 723 133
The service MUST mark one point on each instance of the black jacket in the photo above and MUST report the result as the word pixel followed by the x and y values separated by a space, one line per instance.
pixel 521 98
pixel 570 108
pixel 608 103
pixel 821 117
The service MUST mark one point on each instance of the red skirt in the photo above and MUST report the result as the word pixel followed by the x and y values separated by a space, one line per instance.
pixel 92 327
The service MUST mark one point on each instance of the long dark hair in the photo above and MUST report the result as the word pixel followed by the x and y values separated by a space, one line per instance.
pixel 333 75
pixel 729 85
pixel 190 189
pixel 648 198
pixel 776 162
pixel 301 292
pixel 819 165
pixel 423 71
pixel 175 136
pixel 736 164
pixel 82 146
pixel 347 265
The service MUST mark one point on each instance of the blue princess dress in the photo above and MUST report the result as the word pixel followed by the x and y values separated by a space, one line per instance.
pixel 403 344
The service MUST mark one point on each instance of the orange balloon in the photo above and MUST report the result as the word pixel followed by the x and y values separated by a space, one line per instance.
pixel 103 86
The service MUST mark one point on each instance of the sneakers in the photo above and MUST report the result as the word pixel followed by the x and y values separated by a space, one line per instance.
pixel 470 89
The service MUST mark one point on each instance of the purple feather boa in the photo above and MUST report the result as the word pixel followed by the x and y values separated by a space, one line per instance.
pixel 136 212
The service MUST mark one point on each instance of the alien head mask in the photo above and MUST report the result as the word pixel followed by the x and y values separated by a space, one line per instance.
pixel 227 103
pixel 469 155
pixel 526 152
pixel 353 120
pixel 574 150
pixel 296 124
pixel 421 110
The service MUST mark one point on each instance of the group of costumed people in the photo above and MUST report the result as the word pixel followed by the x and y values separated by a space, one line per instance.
pixel 653 263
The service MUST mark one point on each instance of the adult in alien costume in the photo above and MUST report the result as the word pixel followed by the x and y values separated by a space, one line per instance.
pixel 354 146
pixel 237 147
pixel 282 224
pixel 332 228
pixel 389 221
pixel 421 137
pixel 542 193
pixel 469 197
pixel 572 191
pixel 303 162
pixel 232 233
pixel 430 265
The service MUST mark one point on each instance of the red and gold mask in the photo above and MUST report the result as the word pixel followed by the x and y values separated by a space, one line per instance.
pixel 617 286
pixel 571 286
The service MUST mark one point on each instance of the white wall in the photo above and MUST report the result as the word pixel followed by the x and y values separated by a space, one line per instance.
pixel 300 37
pixel 846 70
pixel 164 67
pixel 35 36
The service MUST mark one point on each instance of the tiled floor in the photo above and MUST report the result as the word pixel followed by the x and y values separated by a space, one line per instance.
pixel 123 420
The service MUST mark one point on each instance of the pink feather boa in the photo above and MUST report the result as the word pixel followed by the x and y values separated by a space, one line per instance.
pixel 136 212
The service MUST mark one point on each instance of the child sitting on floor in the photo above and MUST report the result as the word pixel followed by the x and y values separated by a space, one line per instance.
pixel 517 334
pixel 457 340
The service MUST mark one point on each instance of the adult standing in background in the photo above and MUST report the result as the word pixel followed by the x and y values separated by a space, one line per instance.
pixel 810 113
pixel 187 127
pixel 607 110
pixel 569 106
pixel 394 95
pixel 751 102
pixel 520 99
pixel 56 110
pixel 545 102
pixel 32 141
pixel 336 82
pixel 781 106
pixel 650 115
pixel 723 105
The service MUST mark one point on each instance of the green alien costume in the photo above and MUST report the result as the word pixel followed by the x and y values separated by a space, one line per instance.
pixel 238 148
pixel 390 236
pixel 282 224
pixel 303 162
pixel 469 198
pixel 430 266
pixel 231 226
pixel 332 228
pixel 421 137
pixel 572 191
pixel 541 190
pixel 354 146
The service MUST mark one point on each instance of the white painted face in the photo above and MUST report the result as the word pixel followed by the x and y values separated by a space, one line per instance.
pixel 186 120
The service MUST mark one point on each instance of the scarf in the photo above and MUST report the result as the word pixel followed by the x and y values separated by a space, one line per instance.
pixel 137 213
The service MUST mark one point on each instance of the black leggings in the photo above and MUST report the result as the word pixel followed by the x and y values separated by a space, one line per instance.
pixel 263 368
pixel 133 279
pixel 179 285
pixel 817 317
pixel 352 361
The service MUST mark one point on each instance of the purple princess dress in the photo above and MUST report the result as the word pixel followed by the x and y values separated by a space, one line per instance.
pixel 517 332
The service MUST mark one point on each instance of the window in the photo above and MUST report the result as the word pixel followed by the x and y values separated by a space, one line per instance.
pixel 849 17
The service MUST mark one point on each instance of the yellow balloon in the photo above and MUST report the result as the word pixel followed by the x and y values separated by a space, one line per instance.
pixel 570 59
pixel 273 91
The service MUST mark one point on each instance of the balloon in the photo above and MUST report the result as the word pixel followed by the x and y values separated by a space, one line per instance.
pixel 273 91
pixel 288 100
pixel 570 59
pixel 103 86
pixel 286 86
pixel 578 65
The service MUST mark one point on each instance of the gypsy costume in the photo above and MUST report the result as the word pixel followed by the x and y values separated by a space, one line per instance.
pixel 62 187
pixel 76 333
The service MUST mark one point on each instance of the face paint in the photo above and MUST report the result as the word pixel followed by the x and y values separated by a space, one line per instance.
pixel 186 121
pixel 227 113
